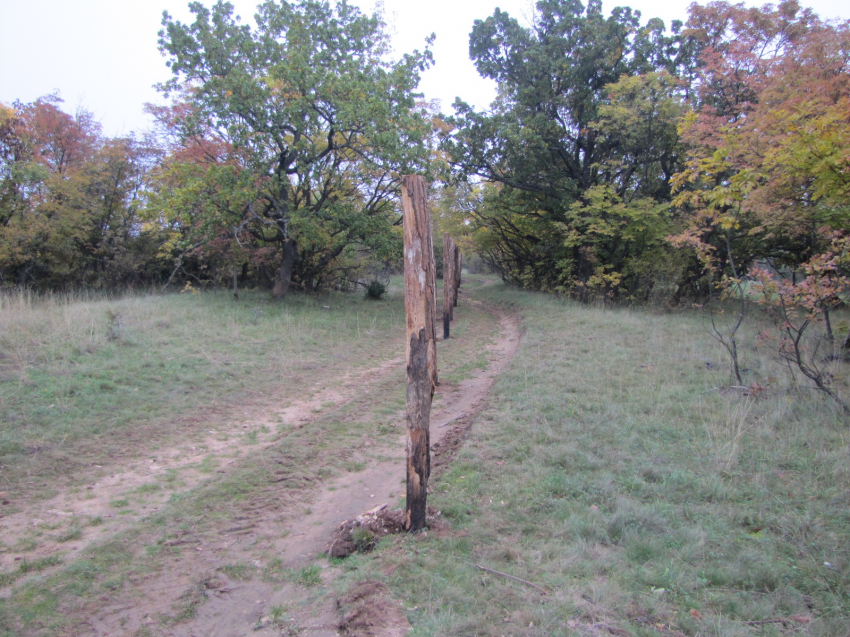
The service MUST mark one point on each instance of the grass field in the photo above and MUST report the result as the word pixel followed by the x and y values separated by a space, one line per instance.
pixel 612 467
pixel 82 381
pixel 611 471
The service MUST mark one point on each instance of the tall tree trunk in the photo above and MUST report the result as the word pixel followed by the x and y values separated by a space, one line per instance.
pixel 284 273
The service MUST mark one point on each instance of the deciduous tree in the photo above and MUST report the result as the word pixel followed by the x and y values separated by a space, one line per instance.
pixel 311 127
pixel 588 107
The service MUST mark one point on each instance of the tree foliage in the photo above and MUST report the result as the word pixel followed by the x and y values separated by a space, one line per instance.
pixel 289 139
pixel 69 201
pixel 587 111
pixel 768 171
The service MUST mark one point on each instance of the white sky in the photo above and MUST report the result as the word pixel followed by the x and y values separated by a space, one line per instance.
pixel 102 54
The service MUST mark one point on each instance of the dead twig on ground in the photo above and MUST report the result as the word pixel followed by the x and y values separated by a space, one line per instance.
pixel 448 422
pixel 518 579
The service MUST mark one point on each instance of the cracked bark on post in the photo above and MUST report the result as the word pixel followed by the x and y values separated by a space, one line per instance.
pixel 420 310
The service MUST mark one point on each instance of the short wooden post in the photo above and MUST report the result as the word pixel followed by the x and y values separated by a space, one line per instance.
pixel 419 305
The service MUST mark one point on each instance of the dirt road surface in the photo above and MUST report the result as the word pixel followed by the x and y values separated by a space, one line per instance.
pixel 228 602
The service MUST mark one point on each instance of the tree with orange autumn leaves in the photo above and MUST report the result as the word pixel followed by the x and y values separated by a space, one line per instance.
pixel 765 191
pixel 768 172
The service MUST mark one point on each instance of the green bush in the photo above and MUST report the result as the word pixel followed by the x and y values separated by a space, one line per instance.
pixel 375 290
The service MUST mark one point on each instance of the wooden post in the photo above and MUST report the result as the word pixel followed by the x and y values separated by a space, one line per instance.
pixel 452 280
pixel 448 283
pixel 455 270
pixel 431 316
pixel 419 305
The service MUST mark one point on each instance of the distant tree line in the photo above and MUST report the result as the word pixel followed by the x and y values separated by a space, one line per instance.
pixel 276 163
pixel 625 161
pixel 621 159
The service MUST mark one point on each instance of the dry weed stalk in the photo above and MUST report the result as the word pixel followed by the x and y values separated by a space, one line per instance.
pixel 725 437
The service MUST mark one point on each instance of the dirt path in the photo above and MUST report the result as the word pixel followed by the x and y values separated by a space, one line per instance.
pixel 216 599
pixel 152 482
pixel 238 611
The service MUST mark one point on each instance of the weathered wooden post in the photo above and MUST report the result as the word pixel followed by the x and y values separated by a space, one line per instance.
pixel 452 303
pixel 420 308
pixel 448 283
pixel 455 272
pixel 432 285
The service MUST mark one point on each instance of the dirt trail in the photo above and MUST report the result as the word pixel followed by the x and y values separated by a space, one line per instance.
pixel 238 612
pixel 222 603
pixel 150 483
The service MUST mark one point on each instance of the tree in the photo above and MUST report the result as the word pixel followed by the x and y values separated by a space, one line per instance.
pixel 768 169
pixel 767 173
pixel 588 107
pixel 290 137
pixel 69 200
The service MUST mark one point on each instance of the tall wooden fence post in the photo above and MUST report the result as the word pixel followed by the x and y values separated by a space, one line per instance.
pixel 420 308
pixel 456 270
pixel 431 317
pixel 448 282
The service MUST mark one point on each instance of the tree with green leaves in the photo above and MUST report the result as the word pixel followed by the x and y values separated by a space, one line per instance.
pixel 289 138
pixel 587 110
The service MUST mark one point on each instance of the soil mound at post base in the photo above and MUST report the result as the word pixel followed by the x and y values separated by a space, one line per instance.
pixel 369 611
pixel 362 533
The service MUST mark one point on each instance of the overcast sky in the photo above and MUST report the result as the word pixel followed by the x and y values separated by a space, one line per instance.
pixel 102 54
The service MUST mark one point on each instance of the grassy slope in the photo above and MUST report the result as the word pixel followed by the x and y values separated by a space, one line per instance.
pixel 278 480
pixel 76 392
pixel 609 470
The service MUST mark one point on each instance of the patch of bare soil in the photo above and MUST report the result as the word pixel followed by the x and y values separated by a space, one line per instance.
pixel 368 610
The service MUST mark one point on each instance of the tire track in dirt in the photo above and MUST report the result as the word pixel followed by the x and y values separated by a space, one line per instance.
pixel 241 610
pixel 222 603
pixel 92 512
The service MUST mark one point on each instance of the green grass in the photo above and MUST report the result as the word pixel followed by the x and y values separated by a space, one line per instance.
pixel 28 566
pixel 609 470
pixel 239 570
pixel 72 395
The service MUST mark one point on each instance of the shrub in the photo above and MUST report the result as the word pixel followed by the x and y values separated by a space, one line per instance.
pixel 375 290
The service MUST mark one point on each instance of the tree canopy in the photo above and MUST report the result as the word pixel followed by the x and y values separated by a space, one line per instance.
pixel 620 158
pixel 70 200
pixel 296 132
pixel 587 110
